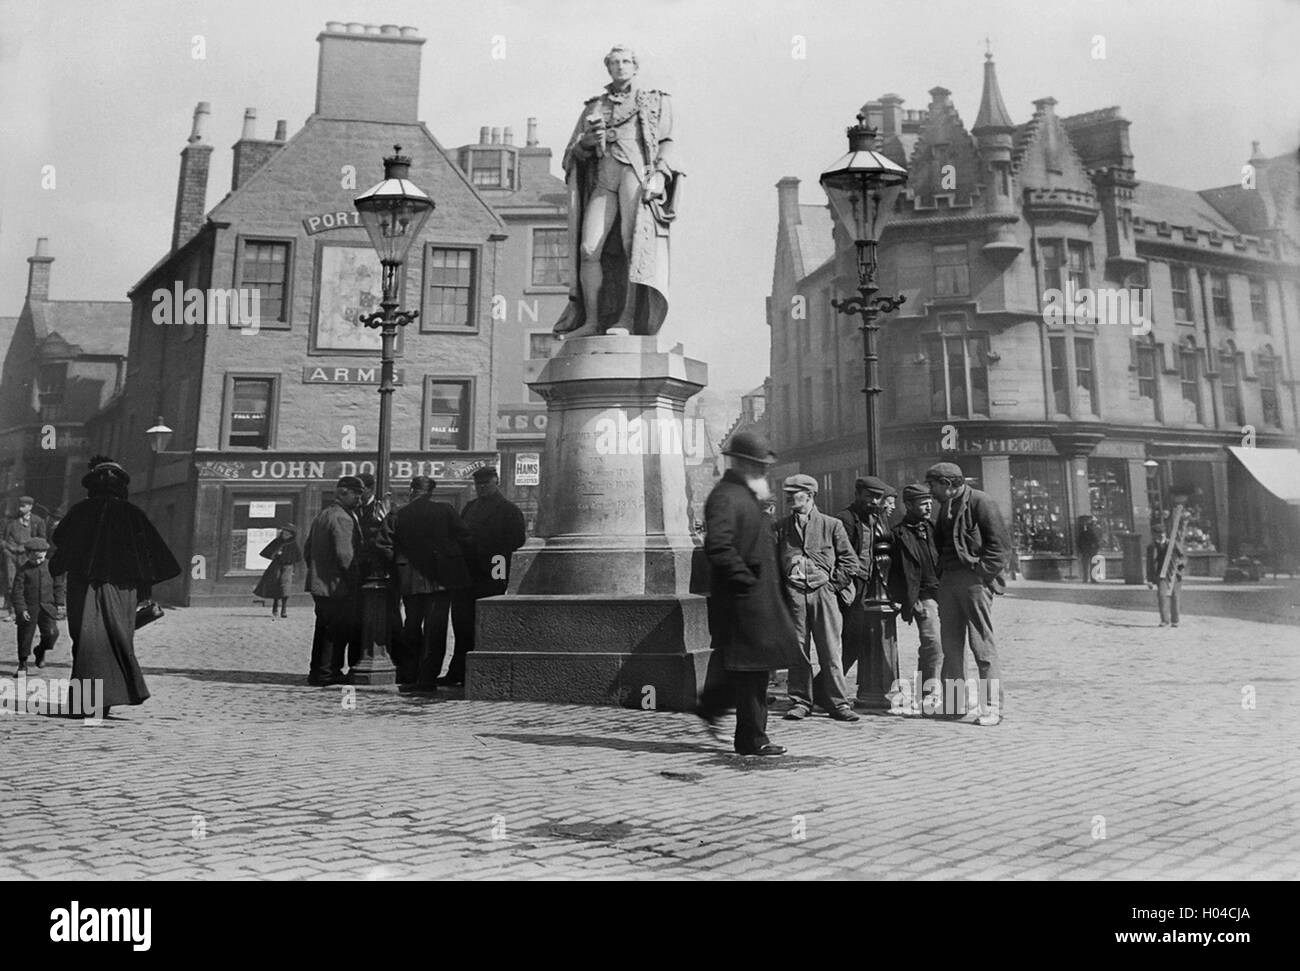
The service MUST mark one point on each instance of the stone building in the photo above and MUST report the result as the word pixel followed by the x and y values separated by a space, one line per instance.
pixel 531 287
pixel 1077 340
pixel 265 377
pixel 63 360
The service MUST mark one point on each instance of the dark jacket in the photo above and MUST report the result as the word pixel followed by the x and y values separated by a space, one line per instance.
pixel 498 529
pixel 35 590
pixel 105 539
pixel 1088 539
pixel 426 542
pixel 905 564
pixel 16 534
pixel 828 555
pixel 749 618
pixel 331 553
pixel 1156 556
pixel 978 535
pixel 277 578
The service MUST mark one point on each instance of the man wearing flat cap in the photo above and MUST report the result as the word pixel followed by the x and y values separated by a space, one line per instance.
pixel 914 585
pixel 817 566
pixel 870 627
pixel 18 531
pixel 972 544
pixel 333 580
pixel 750 625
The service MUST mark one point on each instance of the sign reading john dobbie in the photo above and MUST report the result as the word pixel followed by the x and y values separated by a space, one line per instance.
pixel 346 375
pixel 400 470
pixel 343 219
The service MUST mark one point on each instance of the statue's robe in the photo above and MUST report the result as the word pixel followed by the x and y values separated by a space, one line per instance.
pixel 646 272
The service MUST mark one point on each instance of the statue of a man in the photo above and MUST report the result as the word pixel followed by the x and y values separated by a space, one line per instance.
pixel 618 165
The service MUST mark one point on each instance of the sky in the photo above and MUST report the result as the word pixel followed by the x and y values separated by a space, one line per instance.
pixel 104 93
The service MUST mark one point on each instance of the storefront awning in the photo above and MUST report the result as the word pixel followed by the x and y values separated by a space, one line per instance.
pixel 1276 469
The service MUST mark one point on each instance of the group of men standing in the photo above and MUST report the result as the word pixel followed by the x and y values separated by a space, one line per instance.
pixel 792 594
pixel 437 564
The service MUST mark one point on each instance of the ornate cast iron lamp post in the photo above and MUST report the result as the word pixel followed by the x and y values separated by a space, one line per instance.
pixel 393 213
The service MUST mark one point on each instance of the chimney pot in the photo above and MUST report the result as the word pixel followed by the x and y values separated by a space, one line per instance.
pixel 373 29
pixel 201 112
pixel 410 32
pixel 42 246
pixel 281 130
pixel 356 28
pixel 532 132
pixel 485 135
pixel 496 136
pixel 250 123
pixel 334 27
pixel 508 136
pixel 390 30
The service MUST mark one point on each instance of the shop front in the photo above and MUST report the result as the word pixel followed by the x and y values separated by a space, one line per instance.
pixel 240 500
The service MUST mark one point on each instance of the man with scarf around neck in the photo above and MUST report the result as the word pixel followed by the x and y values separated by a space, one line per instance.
pixel 914 584
pixel 972 547
pixel 818 566
pixel 750 624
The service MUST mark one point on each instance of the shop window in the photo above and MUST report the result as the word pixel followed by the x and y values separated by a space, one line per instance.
pixel 1111 505
pixel 1201 533
pixel 1180 286
pixel 1038 499
pixel 1085 372
pixel 1060 376
pixel 253 524
pixel 1259 305
pixel 951 270
pixel 959 377
pixel 551 259
pixel 250 416
pixel 446 414
pixel 1266 369
pixel 264 267
pixel 449 288
pixel 1189 371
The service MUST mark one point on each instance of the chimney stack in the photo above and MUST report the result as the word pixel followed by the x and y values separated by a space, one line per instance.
pixel 281 130
pixel 368 72
pixel 192 186
pixel 38 271
pixel 787 201
pixel 532 133
pixel 891 114
pixel 251 153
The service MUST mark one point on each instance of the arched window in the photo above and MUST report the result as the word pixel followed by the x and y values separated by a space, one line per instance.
pixel 1230 383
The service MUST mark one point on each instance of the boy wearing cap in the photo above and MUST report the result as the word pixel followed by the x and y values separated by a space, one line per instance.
pixel 39 601
pixel 817 564
pixel 872 646
pixel 914 583
pixel 18 531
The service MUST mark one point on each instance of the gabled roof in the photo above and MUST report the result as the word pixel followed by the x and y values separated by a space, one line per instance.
pixel 96 326
pixel 1158 203
pixel 815 237
pixel 1244 208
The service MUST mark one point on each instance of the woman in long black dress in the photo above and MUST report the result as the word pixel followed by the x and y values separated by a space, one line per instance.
pixel 113 556
pixel 277 579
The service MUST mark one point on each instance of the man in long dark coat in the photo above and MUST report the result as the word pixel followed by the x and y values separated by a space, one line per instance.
pixel 498 529
pixel 425 541
pixel 750 622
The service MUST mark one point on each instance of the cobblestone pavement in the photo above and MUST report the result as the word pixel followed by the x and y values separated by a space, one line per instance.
pixel 1129 751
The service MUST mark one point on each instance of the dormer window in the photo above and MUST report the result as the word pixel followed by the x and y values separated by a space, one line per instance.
pixel 491 168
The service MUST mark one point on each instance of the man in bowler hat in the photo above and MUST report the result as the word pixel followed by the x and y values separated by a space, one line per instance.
pixel 750 623
pixel 333 581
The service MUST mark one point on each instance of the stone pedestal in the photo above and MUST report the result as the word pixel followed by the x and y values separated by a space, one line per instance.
pixel 603 604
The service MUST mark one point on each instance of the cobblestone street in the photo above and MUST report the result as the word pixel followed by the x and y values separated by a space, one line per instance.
pixel 1128 751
